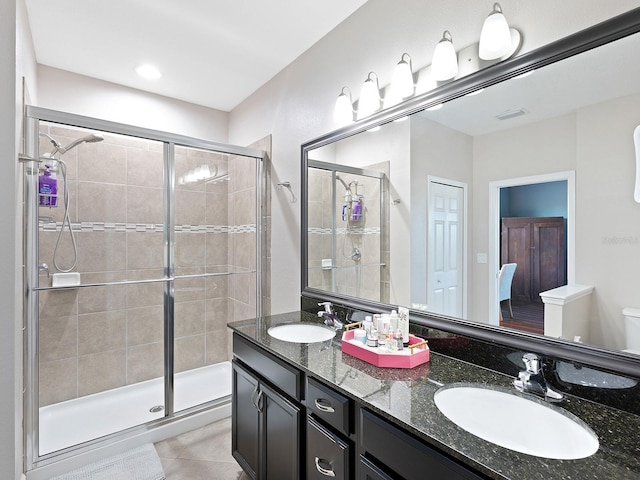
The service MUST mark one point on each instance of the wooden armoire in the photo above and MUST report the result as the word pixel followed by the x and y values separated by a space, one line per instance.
pixel 537 245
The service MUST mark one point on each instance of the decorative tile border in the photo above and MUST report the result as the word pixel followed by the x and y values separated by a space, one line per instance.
pixel 343 230
pixel 145 227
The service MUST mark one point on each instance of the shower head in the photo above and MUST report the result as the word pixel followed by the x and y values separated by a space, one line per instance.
pixel 343 183
pixel 91 138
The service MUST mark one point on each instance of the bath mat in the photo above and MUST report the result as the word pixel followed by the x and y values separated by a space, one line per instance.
pixel 141 463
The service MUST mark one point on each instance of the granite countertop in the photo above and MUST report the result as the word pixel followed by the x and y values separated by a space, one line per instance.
pixel 405 397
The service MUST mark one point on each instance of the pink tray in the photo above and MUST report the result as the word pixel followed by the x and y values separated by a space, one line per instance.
pixel 380 357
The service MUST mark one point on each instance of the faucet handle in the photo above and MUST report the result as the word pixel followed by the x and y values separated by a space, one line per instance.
pixel 532 363
pixel 327 306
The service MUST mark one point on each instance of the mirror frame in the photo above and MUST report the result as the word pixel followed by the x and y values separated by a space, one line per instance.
pixel 600 34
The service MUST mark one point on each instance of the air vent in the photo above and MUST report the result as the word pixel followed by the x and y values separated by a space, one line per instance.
pixel 511 114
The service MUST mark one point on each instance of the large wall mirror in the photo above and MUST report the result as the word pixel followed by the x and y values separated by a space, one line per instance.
pixel 535 170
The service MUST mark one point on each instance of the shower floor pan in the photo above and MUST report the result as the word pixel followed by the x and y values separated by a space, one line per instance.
pixel 82 419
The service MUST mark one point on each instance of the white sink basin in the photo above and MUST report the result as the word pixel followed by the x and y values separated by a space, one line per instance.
pixel 516 423
pixel 302 333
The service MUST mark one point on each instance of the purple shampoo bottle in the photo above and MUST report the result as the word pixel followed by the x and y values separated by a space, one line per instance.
pixel 48 188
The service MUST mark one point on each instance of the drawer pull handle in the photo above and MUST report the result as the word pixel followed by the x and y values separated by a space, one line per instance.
pixel 320 405
pixel 324 471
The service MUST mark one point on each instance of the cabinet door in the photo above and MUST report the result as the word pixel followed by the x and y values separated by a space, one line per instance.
pixel 549 263
pixel 280 437
pixel 245 439
pixel 368 471
pixel 516 248
pixel 327 453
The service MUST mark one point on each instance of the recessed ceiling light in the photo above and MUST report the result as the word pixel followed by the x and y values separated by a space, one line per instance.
pixel 148 71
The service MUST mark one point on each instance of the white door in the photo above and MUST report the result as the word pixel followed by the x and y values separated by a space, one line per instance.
pixel 445 249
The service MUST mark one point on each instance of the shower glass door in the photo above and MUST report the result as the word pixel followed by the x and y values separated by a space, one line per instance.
pixel 105 228
pixel 138 252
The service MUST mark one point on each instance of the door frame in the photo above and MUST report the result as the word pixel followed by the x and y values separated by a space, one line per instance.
pixel 494 229
pixel 465 234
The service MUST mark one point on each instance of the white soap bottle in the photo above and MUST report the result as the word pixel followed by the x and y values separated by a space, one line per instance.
pixel 394 321
pixel 403 324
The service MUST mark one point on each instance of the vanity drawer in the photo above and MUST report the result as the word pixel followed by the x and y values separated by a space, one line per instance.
pixel 327 453
pixel 405 455
pixel 272 369
pixel 328 405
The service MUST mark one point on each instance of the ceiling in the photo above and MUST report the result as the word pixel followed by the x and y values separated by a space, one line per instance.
pixel 214 53
pixel 598 75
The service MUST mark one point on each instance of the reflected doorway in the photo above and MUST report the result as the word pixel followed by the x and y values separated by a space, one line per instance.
pixel 532 224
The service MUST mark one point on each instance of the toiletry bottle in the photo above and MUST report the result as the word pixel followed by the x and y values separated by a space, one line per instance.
pixel 372 339
pixel 48 188
pixel 394 320
pixel 367 324
pixel 398 340
pixel 356 211
pixel 345 212
pixel 384 331
pixel 403 324
pixel 392 344
pixel 376 321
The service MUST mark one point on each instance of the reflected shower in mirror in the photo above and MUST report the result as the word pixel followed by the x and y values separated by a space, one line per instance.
pixel 348 237
pixel 555 151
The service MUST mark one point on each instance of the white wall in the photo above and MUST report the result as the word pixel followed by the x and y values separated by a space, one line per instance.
pixel 607 218
pixel 442 152
pixel 296 105
pixel 69 92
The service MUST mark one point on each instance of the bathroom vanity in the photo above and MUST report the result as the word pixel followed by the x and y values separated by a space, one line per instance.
pixel 308 410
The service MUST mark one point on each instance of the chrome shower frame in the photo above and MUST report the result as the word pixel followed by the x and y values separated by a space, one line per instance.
pixel 30 159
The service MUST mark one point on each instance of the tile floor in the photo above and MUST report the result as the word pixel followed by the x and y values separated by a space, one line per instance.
pixel 201 454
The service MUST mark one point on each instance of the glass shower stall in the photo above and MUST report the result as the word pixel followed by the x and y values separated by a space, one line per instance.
pixel 140 246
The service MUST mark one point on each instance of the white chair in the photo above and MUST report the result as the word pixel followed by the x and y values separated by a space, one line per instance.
pixel 505 277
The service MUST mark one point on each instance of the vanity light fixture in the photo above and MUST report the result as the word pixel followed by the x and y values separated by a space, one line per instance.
pixel 444 64
pixel 402 85
pixel 369 101
pixel 149 72
pixel 495 38
pixel 343 110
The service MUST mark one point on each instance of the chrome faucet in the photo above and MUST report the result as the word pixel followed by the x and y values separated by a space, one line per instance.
pixel 330 317
pixel 532 379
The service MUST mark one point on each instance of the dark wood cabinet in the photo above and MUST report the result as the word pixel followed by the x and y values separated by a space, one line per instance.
pixel 408 458
pixel 266 429
pixel 367 470
pixel 328 455
pixel 245 437
pixel 290 426
pixel 537 245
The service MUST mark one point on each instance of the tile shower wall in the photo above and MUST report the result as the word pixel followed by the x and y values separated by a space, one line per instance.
pixel 99 338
